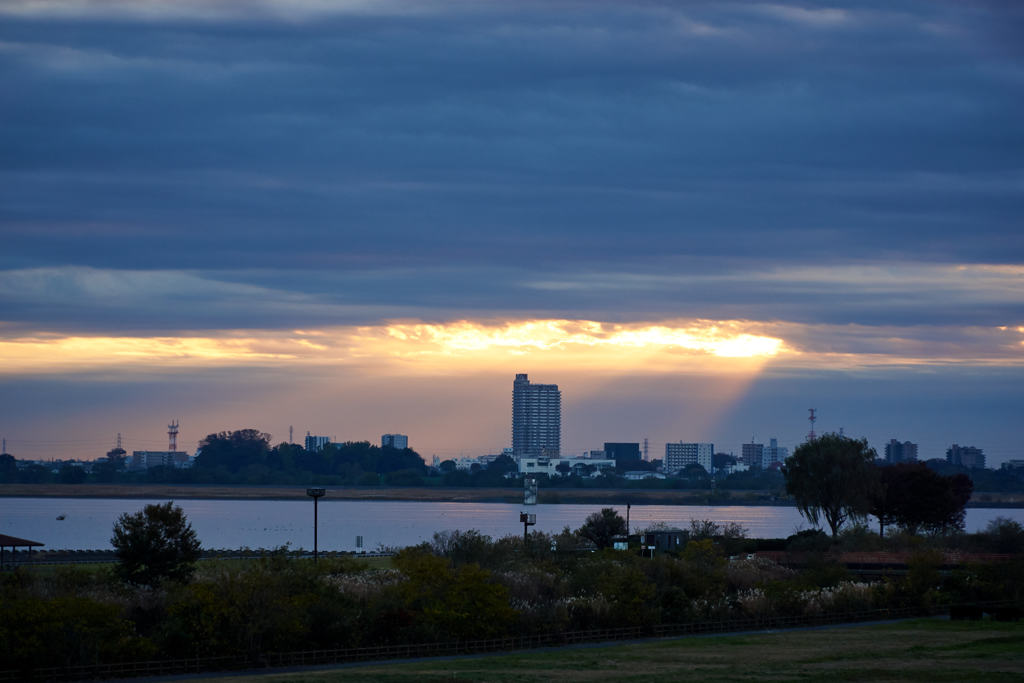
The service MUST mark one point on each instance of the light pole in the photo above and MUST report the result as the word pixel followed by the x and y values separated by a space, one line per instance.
pixel 316 495
pixel 528 520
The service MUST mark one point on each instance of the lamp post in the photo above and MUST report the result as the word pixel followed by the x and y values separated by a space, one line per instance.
pixel 528 520
pixel 316 495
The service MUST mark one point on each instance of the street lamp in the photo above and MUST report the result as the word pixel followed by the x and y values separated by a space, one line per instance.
pixel 528 520
pixel 316 495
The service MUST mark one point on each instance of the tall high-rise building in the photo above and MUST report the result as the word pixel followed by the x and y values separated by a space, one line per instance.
pixel 536 418
pixel 396 441
pixel 966 456
pixel 679 455
pixel 896 452
pixel 752 454
pixel 773 454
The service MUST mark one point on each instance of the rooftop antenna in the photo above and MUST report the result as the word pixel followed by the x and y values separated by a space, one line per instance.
pixel 811 436
pixel 172 436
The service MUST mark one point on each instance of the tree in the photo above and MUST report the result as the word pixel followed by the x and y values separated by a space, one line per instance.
pixel 600 527
pixel 502 465
pixel 8 468
pixel 888 497
pixel 832 478
pixel 233 450
pixel 71 474
pixel 913 496
pixel 155 544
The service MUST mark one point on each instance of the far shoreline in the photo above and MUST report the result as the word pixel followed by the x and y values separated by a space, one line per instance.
pixel 603 496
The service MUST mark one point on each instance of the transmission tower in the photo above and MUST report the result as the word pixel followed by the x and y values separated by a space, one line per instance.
pixel 172 436
pixel 811 436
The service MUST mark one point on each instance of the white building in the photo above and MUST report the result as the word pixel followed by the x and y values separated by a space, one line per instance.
pixel 679 455
pixel 144 460
pixel 315 444
pixel 579 466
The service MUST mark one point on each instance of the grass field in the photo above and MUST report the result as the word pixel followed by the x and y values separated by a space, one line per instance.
pixel 920 650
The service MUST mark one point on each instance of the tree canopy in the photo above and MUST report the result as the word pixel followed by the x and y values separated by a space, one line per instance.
pixel 234 450
pixel 915 497
pixel 155 544
pixel 601 527
pixel 832 478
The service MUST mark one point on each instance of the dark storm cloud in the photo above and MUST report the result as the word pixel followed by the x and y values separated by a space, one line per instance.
pixel 343 163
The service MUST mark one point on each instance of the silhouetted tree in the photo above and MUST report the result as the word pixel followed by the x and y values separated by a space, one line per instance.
pixel 915 497
pixel 8 468
pixel 600 527
pixel 155 544
pixel 832 478
pixel 71 474
pixel 233 450
pixel 891 501
pixel 503 464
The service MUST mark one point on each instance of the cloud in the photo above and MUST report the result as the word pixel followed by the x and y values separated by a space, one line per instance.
pixel 75 300
pixel 466 347
pixel 202 178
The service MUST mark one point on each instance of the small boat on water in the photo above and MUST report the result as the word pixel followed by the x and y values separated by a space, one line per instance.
pixel 62 517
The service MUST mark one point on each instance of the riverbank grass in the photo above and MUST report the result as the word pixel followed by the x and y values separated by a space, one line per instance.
pixel 920 650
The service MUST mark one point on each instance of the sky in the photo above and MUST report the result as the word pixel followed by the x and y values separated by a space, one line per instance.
pixel 354 217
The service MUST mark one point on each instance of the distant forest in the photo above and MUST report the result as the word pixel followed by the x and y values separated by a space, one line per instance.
pixel 246 456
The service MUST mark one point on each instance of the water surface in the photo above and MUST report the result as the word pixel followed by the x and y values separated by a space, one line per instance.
pixel 234 524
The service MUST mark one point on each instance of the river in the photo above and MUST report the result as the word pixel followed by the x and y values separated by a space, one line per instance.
pixel 233 524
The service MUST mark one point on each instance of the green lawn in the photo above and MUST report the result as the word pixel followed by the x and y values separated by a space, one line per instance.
pixel 920 650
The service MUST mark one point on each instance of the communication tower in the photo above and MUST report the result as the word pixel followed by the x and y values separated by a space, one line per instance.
pixel 811 436
pixel 119 440
pixel 646 458
pixel 172 436
pixel 291 435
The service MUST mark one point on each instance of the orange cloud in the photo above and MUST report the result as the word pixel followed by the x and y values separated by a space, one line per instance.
pixel 410 345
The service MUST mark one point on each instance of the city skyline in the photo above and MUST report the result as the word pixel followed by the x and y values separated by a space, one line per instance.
pixel 698 219
pixel 541 404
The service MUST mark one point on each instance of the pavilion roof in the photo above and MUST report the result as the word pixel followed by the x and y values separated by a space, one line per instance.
pixel 14 541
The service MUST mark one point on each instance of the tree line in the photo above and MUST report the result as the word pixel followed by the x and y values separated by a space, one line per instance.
pixel 835 479
pixel 246 456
